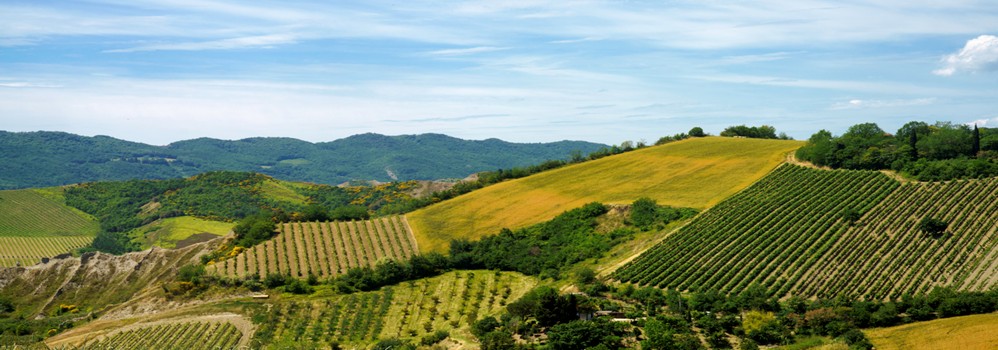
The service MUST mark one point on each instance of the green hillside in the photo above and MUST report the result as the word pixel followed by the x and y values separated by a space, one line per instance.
pixel 40 159
pixel 808 232
pixel 36 224
pixel 694 173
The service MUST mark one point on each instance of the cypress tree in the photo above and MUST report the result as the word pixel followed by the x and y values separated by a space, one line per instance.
pixel 976 140
pixel 913 141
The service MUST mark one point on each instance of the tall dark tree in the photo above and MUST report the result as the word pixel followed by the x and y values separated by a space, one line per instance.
pixel 975 139
pixel 913 143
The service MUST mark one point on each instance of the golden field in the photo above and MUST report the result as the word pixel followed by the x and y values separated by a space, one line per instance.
pixel 965 333
pixel 695 173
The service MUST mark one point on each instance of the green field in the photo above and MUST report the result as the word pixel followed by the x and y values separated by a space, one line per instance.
pixel 167 233
pixel 36 224
pixel 695 173
pixel 789 232
pixel 975 332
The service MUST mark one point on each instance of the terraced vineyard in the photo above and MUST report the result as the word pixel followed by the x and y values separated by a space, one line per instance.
pixel 34 226
pixel 412 309
pixel 788 233
pixel 187 335
pixel 324 249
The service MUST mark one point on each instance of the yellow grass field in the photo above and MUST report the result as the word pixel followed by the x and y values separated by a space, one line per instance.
pixel 965 333
pixel 695 173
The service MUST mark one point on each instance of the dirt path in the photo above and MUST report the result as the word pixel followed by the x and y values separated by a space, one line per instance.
pixel 412 237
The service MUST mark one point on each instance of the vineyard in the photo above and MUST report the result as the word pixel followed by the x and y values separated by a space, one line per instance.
pixel 33 226
pixel 26 213
pixel 412 309
pixel 353 318
pixel 694 173
pixel 185 336
pixel 26 251
pixel 324 249
pixel 789 232
pixel 451 301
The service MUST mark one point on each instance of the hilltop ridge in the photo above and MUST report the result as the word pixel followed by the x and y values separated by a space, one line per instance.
pixel 46 158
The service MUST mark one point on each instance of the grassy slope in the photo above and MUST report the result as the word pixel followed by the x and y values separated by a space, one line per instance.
pixel 967 332
pixel 165 233
pixel 693 173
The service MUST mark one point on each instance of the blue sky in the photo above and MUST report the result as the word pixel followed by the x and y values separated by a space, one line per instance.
pixel 157 71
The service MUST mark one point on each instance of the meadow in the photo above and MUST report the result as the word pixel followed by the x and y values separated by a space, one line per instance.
pixel 975 332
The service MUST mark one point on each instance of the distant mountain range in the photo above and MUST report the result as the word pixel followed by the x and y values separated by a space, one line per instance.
pixel 43 158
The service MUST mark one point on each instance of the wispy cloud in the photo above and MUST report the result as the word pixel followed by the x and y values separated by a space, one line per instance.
pixel 21 84
pixel 261 41
pixel 830 84
pixel 979 54
pixel 861 104
pixel 448 119
pixel 465 51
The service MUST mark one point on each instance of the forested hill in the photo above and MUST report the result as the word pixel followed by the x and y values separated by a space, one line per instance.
pixel 38 159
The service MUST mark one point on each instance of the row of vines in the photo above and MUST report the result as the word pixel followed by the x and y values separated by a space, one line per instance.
pixel 792 233
pixel 26 251
pixel 324 249
pixel 27 213
pixel 451 301
pixel 409 310
pixel 181 336
pixel 352 318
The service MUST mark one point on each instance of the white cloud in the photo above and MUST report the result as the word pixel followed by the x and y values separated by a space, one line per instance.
pixel 860 104
pixel 467 51
pixel 261 41
pixel 979 54
pixel 984 122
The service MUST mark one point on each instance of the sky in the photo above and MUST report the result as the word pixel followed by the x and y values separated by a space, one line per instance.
pixel 158 71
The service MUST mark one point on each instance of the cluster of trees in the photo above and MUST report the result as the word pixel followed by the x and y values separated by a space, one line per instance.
pixel 696 131
pixel 389 272
pixel 756 132
pixel 646 213
pixel 941 151
pixel 540 250
pixel 671 320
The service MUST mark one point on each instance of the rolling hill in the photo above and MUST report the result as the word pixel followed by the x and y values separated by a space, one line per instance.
pixel 695 173
pixel 41 159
